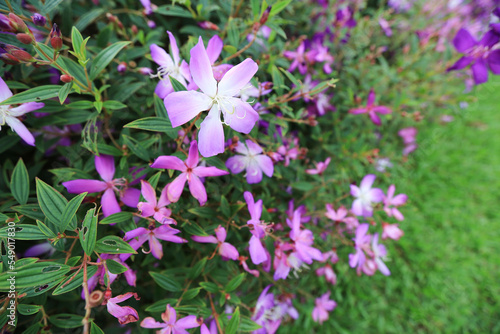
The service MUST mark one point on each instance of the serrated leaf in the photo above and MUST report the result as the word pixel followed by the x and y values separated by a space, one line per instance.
pixel 235 282
pixel 36 94
pixel 51 202
pixel 104 57
pixel 70 210
pixel 88 233
pixel 74 282
pixel 20 183
pixel 113 245
pixel 166 282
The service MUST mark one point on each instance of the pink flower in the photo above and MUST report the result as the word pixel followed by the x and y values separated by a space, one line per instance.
pixel 300 58
pixel 226 250
pixel 391 203
pixel 303 241
pixel 258 252
pixel 155 208
pixel 323 306
pixel 218 97
pixel 124 314
pixel 320 167
pixel 371 109
pixel 361 242
pixel 169 67
pixel 391 231
pixel 409 138
pixel 9 115
pixel 191 173
pixel 170 323
pixel 379 252
pixel 213 328
pixel 105 166
pixel 328 272
pixel 252 160
pixel 365 196
pixel 263 312
pixel 102 274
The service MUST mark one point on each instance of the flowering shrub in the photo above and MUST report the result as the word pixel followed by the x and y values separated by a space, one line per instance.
pixel 259 107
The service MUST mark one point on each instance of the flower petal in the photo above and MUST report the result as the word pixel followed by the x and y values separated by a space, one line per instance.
pixel 185 105
pixel 26 108
pixel 480 71
pixel 190 321
pixel 84 185
pixel 254 173
pixel 214 48
pixel 193 156
pixel 5 92
pixel 160 56
pixel 211 135
pixel 209 171
pixel 155 247
pixel 463 41
pixel 169 162
pixel 236 164
pixel 152 323
pixel 266 164
pixel 148 192
pixel 371 98
pixel 130 197
pixel 109 203
pixel 21 129
pixel 174 48
pixel 242 116
pixel 460 64
pixel 494 61
pixel 201 69
pixel 205 239
pixel 237 78
pixel 105 166
pixel 176 187
pixel 257 251
pixel 164 88
pixel 197 189
pixel 228 251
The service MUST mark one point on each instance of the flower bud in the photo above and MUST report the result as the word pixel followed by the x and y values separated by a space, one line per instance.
pixel 22 55
pixel 5 24
pixel 122 67
pixel 9 59
pixel 134 29
pixel 208 25
pixel 39 20
pixel 145 71
pixel 17 23
pixel 55 38
pixel 265 16
pixel 24 38
pixel 66 78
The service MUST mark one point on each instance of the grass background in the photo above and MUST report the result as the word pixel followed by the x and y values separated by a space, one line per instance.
pixel 446 268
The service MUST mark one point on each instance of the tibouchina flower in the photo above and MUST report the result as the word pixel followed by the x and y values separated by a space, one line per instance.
pixel 371 109
pixel 379 252
pixel 329 274
pixel 391 203
pixel 213 328
pixel 252 160
pixel 218 97
pixel 170 324
pixel 303 241
pixel 226 250
pixel 479 55
pixel 320 167
pixel 124 314
pixel 9 115
pixel 105 166
pixel 365 196
pixel 155 208
pixel 323 305
pixel 169 66
pixel 409 136
pixel 153 235
pixel 191 173
pixel 391 231
pixel 258 252
pixel 263 313
pixel 361 242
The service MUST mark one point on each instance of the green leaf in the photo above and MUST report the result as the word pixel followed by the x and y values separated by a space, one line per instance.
pixel 157 124
pixel 235 282
pixel 71 283
pixel 209 286
pixel 22 232
pixel 77 41
pixel 20 183
pixel 178 87
pixel 204 212
pixel 160 305
pixel 136 147
pixel 45 230
pixel 34 274
pixel 89 17
pixel 83 104
pixel 161 112
pixel 31 210
pixel 36 94
pixel 69 212
pixel 115 267
pixel 303 185
pixel 224 207
pixel 116 218
pixel 113 245
pixel 248 325
pixel 191 293
pixel 114 105
pixel 194 229
pixel 28 309
pixel 234 323
pixel 105 57
pixel 166 282
pixel 197 269
pixel 49 6
pixel 65 320
pixel 88 233
pixel 51 202
pixel 278 7
pixel 170 10
pixel 94 329
pixel 64 91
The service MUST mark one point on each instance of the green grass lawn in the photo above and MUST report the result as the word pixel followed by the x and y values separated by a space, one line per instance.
pixel 446 269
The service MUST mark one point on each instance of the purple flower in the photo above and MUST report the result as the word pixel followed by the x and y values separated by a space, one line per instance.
pixel 102 274
pixel 323 305
pixel 105 166
pixel 152 235
pixel 218 97
pixel 226 250
pixel 300 59
pixel 391 203
pixel 409 139
pixel 391 231
pixel 252 160
pixel 124 314
pixel 303 241
pixel 379 252
pixel 148 9
pixel 263 312
pixel 9 115
pixel 39 20
pixel 328 272
pixel 477 54
pixel 155 208
pixel 361 242
pixel 169 66
pixel 320 167
pixel 170 324
pixel 365 196
pixel 258 252
pixel 371 109
pixel 191 173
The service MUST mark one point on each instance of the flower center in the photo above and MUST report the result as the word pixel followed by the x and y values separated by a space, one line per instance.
pixel 164 72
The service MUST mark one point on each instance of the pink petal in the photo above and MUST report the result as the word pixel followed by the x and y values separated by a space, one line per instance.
pixel 201 69
pixel 463 41
pixel 254 173
pixel 193 156
pixel 20 129
pixel 152 323
pixel 382 110
pixel 83 185
pixel 266 164
pixel 109 203
pixel 174 48
pixel 169 162
pixel 185 105
pixel 164 88
pixel 221 234
pixel 228 251
pixel 197 189
pixel 148 192
pixel 188 322
pixel 170 315
pixel 399 199
pixel 176 187
pixel 5 92
pixel 236 164
pixel 480 71
pixel 163 200
pixel 357 111
pixel 253 148
pixel 130 197
pixel 375 119
pixel 214 48
pixel 257 251
pixel 105 166
pixel 367 181
pixel 156 248
pixel 125 314
pixel 371 98
pixel 241 148
pixel 242 117
pixel 135 233
pixel 237 78
pixel 160 56
pixel 167 233
pixel 26 108
pixel 209 171
pixel 211 135
pixel 146 209
pixel 357 207
pixel 205 239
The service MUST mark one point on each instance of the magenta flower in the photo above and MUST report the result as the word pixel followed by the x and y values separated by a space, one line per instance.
pixel 479 55
pixel 124 314
pixel 258 252
pixel 152 235
pixel 213 328
pixel 226 250
pixel 170 324
pixel 148 8
pixel 263 311
pixel 218 97
pixel 169 66
pixel 391 231
pixel 191 173
pixel 328 272
pixel 303 240
pixel 252 160
pixel 299 58
pixel 105 166
pixel 365 196
pixel 323 305
pixel 409 136
pixel 320 167
pixel 10 115
pixel 379 252
pixel 361 242
pixel 155 208
pixel 252 91
pixel 391 203
pixel 371 109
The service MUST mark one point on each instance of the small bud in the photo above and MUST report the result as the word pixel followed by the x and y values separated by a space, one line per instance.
pixel 5 24
pixel 55 38
pixel 24 38
pixel 265 16
pixel 151 24
pixel 122 67
pixel 39 20
pixel 9 59
pixel 66 78
pixel 208 25
pixel 107 295
pixel 22 55
pixel 134 29
pixel 145 71
pixel 17 23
